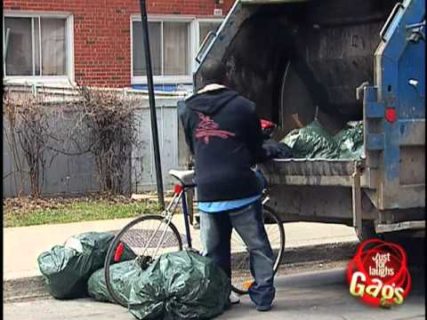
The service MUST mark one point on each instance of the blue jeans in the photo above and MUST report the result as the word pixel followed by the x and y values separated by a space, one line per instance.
pixel 216 231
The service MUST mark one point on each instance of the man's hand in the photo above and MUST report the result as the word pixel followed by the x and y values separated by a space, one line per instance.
pixel 276 149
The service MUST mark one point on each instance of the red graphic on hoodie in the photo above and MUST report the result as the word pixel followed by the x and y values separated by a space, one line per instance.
pixel 208 128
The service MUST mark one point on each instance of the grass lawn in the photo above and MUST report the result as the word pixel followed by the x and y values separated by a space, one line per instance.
pixel 18 212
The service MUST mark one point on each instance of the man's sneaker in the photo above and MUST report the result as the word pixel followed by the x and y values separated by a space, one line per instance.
pixel 196 225
pixel 234 298
pixel 264 308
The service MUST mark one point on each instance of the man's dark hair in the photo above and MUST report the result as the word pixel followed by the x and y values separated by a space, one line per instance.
pixel 213 71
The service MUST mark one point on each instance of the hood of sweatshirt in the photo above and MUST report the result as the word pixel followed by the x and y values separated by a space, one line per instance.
pixel 210 102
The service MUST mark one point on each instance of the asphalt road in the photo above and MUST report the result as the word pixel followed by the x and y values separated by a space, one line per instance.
pixel 313 295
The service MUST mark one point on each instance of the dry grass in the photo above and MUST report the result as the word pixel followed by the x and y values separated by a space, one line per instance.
pixel 26 211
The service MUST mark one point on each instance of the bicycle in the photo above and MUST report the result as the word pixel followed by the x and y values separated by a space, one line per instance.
pixel 149 236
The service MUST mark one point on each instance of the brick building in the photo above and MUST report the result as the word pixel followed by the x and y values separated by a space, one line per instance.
pixel 99 42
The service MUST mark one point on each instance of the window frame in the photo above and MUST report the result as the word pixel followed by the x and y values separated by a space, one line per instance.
pixel 167 79
pixel 69 47
pixel 218 20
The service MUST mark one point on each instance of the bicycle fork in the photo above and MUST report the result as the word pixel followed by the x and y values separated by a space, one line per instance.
pixel 168 219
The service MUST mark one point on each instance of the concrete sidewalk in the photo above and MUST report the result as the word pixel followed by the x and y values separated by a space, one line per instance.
pixel 23 245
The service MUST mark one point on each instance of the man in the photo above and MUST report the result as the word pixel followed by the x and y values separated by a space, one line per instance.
pixel 224 135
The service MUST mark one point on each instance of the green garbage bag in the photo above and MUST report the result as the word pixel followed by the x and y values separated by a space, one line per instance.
pixel 180 285
pixel 67 268
pixel 350 141
pixel 122 275
pixel 312 142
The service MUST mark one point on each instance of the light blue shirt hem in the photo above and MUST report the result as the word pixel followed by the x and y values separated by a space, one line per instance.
pixel 219 206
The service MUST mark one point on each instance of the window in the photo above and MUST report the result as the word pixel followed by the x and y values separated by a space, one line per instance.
pixel 170 47
pixel 38 46
pixel 174 42
pixel 205 27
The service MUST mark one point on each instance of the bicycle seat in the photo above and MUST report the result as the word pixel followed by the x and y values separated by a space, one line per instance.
pixel 184 176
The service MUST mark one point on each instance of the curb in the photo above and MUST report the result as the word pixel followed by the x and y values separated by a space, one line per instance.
pixel 320 253
pixel 24 289
pixel 32 288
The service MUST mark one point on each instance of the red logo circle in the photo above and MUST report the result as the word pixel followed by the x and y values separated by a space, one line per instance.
pixel 378 274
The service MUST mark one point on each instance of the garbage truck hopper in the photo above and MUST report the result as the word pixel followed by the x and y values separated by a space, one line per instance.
pixel 336 61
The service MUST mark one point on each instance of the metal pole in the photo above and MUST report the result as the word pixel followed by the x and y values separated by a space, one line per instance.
pixel 154 131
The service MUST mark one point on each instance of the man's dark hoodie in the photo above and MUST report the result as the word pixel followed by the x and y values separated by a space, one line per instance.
pixel 224 135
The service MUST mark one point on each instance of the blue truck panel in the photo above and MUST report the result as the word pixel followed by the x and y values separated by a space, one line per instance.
pixel 400 83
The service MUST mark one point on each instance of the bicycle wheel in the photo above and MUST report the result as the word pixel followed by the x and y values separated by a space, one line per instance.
pixel 149 236
pixel 241 277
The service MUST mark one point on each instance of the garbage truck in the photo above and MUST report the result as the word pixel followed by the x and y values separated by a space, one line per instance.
pixel 336 61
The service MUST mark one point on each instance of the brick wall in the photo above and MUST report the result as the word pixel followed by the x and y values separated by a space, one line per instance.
pixel 102 32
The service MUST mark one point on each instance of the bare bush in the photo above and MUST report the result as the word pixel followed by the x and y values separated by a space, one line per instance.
pixel 102 124
pixel 111 132
pixel 33 136
pixel 28 130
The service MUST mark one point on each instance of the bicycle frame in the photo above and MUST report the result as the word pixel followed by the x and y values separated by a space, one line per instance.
pixel 180 193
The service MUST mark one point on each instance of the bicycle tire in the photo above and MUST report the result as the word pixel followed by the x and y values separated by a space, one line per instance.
pixel 119 238
pixel 238 283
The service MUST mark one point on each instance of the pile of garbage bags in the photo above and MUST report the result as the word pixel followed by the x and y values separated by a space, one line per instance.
pixel 350 141
pixel 315 142
pixel 66 268
pixel 178 285
pixel 122 276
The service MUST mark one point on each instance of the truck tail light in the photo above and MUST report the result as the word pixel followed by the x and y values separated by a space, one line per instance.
pixel 391 115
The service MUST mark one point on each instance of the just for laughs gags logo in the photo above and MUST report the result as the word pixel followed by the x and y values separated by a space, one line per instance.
pixel 378 273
